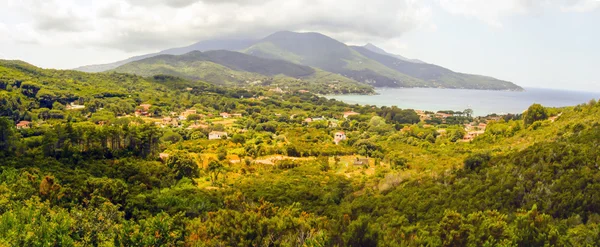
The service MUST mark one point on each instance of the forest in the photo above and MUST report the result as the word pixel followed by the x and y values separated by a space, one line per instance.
pixel 112 159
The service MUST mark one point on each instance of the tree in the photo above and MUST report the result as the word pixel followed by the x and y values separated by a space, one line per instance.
pixel 468 112
pixel 475 161
pixel 8 136
pixel 214 169
pixel 183 165
pixel 535 112
pixel 238 138
pixel 171 136
pixel 193 117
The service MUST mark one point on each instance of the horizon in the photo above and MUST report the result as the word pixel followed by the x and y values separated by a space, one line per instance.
pixel 530 43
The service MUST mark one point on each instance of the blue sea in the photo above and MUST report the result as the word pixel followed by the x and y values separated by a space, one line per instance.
pixel 482 102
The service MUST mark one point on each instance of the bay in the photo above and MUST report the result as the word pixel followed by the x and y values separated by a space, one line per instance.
pixel 482 102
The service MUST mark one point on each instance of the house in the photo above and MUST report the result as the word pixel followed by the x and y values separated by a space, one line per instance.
pixel 308 120
pixel 472 134
pixel 225 115
pixel 318 118
pixel 339 136
pixel 188 112
pixel 361 161
pixel 170 121
pixel 143 111
pixel 163 156
pixel 216 135
pixel 74 106
pixel 23 125
pixel 350 113
pixel 303 91
pixel 145 107
pixel 276 90
pixel 443 115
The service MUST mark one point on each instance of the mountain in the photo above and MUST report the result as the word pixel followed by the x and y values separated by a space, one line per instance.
pixel 377 68
pixel 234 68
pixel 320 51
pixel 369 65
pixel 376 49
pixel 208 45
pixel 437 75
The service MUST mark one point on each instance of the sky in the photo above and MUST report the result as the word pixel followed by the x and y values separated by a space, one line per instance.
pixel 533 43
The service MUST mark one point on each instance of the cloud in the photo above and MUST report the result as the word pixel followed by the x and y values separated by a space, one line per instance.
pixel 581 6
pixel 136 25
pixel 492 11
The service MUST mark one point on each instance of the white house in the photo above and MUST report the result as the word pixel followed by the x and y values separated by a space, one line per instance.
pixel 216 135
pixel 339 136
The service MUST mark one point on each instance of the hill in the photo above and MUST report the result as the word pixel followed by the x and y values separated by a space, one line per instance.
pixel 208 45
pixel 139 165
pixel 437 76
pixel 379 68
pixel 369 65
pixel 376 49
pixel 239 69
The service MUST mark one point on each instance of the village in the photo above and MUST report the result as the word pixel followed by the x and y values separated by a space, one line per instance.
pixel 191 119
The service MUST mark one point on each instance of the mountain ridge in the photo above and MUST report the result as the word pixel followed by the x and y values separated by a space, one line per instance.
pixel 367 64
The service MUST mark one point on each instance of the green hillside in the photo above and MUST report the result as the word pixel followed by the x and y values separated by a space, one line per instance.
pixel 364 65
pixel 126 170
pixel 437 76
pixel 238 69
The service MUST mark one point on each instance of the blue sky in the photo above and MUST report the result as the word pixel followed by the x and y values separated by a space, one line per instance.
pixel 534 43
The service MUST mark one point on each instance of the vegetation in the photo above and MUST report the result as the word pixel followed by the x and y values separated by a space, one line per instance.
pixel 319 63
pixel 129 169
pixel 238 69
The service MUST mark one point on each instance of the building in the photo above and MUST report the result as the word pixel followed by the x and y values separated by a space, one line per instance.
pixel 163 156
pixel 216 135
pixel 361 161
pixel 276 90
pixel 170 121
pixel 188 112
pixel 308 120
pixel 236 115
pixel 303 91
pixel 339 136
pixel 443 115
pixel 350 113
pixel 24 125
pixel 74 106
pixel 143 111
pixel 225 115
pixel 472 134
pixel 145 107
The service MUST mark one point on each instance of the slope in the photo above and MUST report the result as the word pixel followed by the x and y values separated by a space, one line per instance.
pixel 437 75
pixel 239 69
pixel 320 51
pixel 376 49
pixel 207 45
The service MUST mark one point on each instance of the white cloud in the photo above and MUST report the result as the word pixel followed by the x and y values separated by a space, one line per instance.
pixel 492 11
pixel 135 25
pixel 488 11
pixel 582 6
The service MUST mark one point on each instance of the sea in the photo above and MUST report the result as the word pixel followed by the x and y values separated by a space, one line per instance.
pixel 482 102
